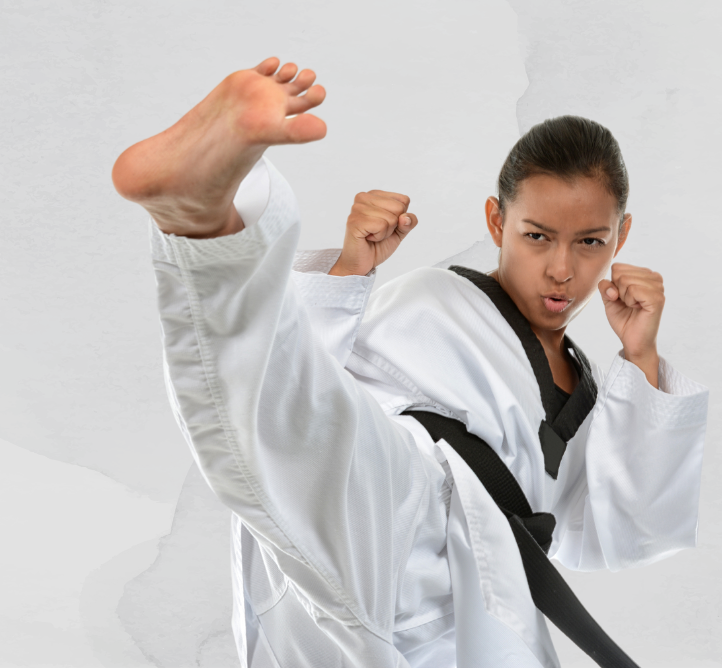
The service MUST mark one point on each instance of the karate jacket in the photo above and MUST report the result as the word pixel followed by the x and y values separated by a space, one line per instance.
pixel 357 540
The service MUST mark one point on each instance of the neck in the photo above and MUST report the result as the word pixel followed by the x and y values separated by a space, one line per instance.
pixel 551 340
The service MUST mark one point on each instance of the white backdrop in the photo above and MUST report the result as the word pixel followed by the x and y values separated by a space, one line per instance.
pixel 114 552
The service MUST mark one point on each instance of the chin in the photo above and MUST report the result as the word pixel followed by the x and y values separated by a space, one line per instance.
pixel 553 321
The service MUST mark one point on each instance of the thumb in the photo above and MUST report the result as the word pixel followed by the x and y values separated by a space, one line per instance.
pixel 608 291
pixel 407 222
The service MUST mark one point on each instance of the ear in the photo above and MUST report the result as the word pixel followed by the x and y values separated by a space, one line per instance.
pixel 494 219
pixel 623 233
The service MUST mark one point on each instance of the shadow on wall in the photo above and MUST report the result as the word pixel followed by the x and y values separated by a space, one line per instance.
pixel 178 611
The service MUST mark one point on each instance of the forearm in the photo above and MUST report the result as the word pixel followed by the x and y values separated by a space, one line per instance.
pixel 631 484
pixel 334 304
pixel 643 463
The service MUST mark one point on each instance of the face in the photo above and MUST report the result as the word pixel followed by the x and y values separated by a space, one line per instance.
pixel 557 239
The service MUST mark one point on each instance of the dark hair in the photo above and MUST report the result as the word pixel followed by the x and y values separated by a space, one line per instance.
pixel 567 147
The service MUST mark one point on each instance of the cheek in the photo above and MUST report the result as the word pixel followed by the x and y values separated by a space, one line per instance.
pixel 590 271
pixel 596 268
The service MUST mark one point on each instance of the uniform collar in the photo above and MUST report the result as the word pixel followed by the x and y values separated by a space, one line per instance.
pixel 554 432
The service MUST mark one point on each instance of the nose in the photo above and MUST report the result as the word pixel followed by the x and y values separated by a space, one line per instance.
pixel 560 263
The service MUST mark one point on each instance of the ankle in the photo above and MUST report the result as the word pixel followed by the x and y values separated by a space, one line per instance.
pixel 230 223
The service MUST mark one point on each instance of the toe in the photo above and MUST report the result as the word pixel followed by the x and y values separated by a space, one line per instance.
pixel 303 82
pixel 286 73
pixel 304 128
pixel 314 97
pixel 268 66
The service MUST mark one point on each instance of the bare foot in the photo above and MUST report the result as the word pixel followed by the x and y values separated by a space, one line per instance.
pixel 186 176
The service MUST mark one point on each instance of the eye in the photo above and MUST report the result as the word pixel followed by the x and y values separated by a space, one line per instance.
pixel 596 243
pixel 532 234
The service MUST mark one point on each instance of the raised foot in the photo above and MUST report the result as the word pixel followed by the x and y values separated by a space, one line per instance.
pixel 186 176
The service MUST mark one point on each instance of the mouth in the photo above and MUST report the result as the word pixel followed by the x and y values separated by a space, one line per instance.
pixel 556 304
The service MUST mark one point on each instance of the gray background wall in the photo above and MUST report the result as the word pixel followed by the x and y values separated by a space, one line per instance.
pixel 114 552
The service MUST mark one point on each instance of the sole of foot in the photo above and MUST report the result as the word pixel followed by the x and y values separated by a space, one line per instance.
pixel 186 176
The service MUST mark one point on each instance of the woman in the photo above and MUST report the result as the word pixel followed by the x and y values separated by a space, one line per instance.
pixel 358 538
pixel 486 349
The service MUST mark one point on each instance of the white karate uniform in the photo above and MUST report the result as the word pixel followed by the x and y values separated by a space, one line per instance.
pixel 356 540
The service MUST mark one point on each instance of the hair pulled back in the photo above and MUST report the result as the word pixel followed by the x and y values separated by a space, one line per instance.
pixel 567 147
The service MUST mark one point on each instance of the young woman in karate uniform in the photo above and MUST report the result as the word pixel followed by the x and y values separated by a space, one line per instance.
pixel 358 540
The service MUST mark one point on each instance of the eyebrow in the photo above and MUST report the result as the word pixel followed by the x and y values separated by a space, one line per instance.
pixel 553 231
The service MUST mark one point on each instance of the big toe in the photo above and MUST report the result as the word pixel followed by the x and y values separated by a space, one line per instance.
pixel 268 66
pixel 305 128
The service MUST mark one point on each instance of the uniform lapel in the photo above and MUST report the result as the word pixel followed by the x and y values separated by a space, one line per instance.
pixel 554 433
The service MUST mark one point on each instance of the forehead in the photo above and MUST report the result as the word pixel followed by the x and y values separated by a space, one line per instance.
pixel 553 200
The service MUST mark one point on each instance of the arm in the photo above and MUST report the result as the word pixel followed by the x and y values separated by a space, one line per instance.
pixel 634 497
pixel 335 304
pixel 335 284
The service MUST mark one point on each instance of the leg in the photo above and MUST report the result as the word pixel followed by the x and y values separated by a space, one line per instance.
pixel 187 175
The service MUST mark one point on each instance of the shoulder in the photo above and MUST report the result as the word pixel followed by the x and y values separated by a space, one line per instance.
pixel 433 287
pixel 429 312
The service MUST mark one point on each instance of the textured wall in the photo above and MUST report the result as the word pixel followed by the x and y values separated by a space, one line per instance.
pixel 114 551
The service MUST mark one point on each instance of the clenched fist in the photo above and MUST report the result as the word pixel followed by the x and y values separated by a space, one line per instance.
pixel 633 301
pixel 376 226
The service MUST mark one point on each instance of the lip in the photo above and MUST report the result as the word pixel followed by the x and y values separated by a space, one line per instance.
pixel 556 306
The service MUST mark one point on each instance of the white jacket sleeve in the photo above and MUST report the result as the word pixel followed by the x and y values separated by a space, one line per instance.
pixel 283 435
pixel 335 304
pixel 636 500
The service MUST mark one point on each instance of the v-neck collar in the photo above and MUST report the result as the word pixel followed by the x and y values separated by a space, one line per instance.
pixel 554 432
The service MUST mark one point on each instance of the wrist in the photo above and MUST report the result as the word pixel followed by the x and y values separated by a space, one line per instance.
pixel 648 363
pixel 642 358
pixel 340 269
pixel 337 270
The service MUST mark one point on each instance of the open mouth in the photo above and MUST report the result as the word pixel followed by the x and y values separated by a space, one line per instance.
pixel 555 305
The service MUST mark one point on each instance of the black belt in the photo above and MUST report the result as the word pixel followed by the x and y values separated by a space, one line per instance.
pixel 533 533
